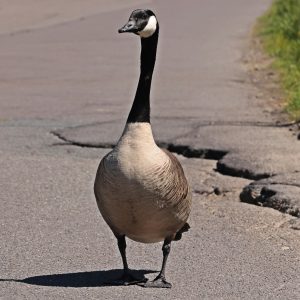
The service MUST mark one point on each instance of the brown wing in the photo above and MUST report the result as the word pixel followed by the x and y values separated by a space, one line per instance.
pixel 179 195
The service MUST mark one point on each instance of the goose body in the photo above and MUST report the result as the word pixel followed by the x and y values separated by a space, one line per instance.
pixel 141 190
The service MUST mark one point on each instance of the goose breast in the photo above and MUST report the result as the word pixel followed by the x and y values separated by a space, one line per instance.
pixel 141 190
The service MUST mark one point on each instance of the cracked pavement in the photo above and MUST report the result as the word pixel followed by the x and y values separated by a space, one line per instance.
pixel 66 88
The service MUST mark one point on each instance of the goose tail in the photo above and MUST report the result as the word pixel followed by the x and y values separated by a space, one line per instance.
pixel 183 229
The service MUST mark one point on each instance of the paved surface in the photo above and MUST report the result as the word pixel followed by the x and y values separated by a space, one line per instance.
pixel 72 82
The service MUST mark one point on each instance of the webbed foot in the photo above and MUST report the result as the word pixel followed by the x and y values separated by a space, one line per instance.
pixel 158 282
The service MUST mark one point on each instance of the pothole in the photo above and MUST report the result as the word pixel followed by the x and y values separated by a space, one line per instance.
pixel 264 196
pixel 280 192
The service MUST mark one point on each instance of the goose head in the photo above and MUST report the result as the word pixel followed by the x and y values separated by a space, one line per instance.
pixel 141 22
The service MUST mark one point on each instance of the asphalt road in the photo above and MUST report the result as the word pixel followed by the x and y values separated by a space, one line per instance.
pixel 77 79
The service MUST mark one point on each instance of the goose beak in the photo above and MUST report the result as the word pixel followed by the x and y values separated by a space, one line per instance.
pixel 128 27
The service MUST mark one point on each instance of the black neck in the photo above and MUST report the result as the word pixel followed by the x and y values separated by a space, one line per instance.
pixel 140 110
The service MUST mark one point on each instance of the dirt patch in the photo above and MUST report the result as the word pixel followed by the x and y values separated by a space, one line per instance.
pixel 264 78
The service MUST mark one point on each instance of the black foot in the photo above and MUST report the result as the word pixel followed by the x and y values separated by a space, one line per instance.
pixel 158 282
pixel 129 279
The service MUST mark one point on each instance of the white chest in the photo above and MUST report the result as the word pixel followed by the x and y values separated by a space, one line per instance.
pixel 136 154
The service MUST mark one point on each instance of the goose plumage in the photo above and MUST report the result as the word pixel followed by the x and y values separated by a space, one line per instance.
pixel 141 190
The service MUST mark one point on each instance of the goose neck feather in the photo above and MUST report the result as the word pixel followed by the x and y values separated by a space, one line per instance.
pixel 140 110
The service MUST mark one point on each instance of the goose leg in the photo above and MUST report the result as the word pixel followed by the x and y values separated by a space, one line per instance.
pixel 127 278
pixel 160 280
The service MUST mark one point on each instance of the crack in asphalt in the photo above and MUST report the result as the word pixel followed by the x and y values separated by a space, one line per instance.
pixel 190 152
pixel 222 168
pixel 246 124
pixel 280 183
pixel 183 150
pixel 242 173
pixel 82 145
pixel 199 124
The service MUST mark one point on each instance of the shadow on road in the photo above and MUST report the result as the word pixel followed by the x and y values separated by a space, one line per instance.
pixel 80 279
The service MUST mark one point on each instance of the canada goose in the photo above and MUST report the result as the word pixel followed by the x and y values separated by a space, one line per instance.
pixel 141 190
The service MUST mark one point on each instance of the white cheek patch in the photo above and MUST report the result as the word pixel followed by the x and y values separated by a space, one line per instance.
pixel 150 28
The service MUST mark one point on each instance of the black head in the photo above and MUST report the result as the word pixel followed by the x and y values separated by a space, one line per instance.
pixel 141 22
